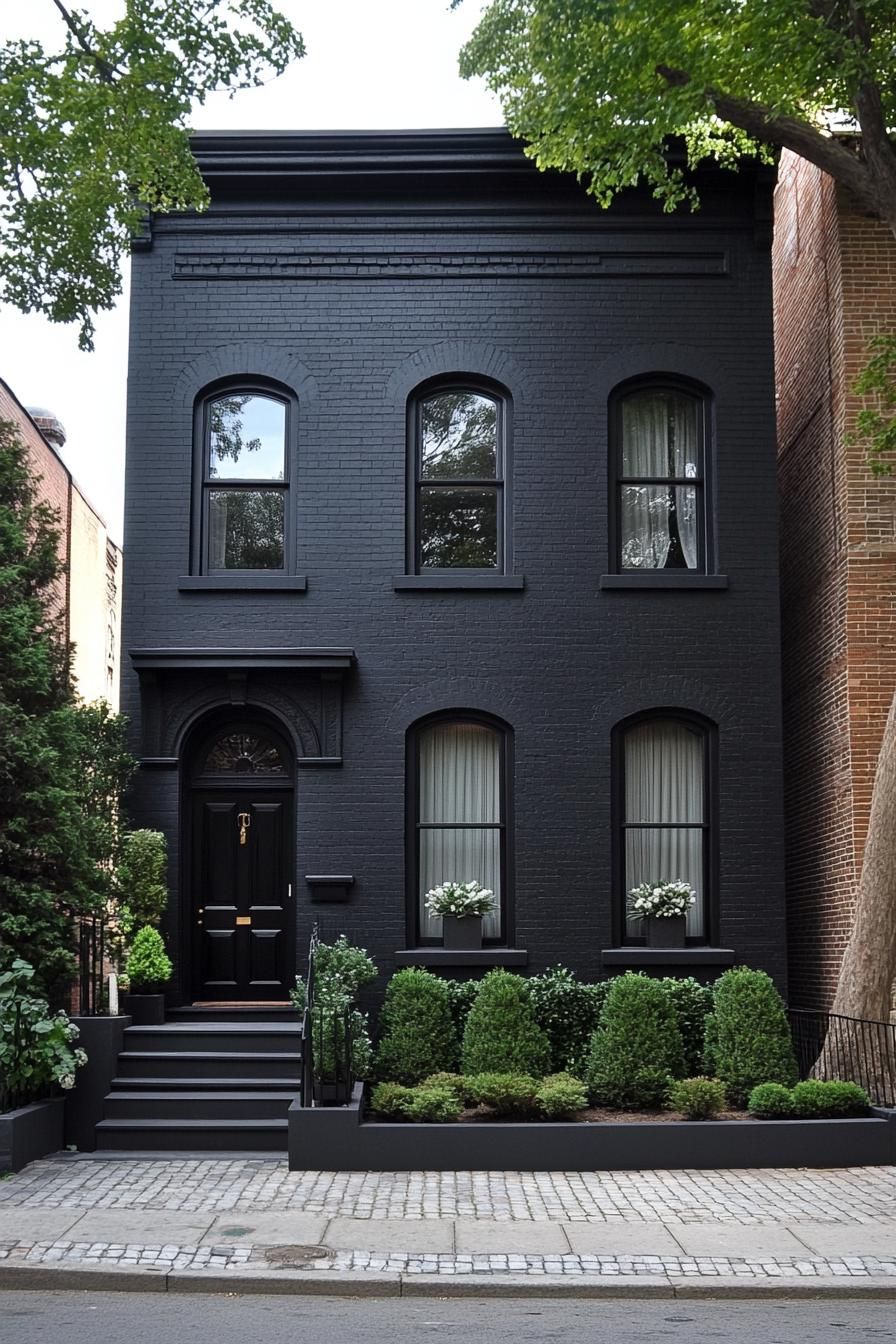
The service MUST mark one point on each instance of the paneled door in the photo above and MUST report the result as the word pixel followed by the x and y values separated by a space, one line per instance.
pixel 241 899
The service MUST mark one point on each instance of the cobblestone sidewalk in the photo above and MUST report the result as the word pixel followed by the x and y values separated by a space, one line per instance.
pixel 244 1220
pixel 847 1195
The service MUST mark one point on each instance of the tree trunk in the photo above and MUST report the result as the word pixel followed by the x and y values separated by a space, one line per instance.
pixel 868 968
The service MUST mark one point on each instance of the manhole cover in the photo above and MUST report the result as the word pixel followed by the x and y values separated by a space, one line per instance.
pixel 295 1255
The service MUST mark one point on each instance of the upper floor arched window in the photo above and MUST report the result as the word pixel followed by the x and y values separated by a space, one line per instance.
pixel 659 454
pixel 242 511
pixel 458 464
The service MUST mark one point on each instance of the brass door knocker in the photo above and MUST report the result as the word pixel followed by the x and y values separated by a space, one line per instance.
pixel 245 821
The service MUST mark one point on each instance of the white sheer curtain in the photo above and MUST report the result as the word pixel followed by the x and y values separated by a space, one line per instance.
pixel 460 782
pixel 664 783
pixel 659 522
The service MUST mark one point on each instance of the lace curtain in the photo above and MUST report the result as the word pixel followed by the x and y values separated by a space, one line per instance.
pixel 659 523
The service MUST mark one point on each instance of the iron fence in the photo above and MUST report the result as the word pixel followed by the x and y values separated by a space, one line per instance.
pixel 851 1049
pixel 327 1044
pixel 91 965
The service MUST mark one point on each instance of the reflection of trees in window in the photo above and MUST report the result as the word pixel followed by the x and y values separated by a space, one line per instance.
pixel 459 481
pixel 459 435
pixel 226 429
pixel 244 482
pixel 245 529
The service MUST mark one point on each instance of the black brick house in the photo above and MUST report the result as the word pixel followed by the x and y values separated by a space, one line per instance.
pixel 451 552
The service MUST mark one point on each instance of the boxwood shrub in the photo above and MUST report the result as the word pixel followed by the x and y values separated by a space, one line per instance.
pixel 501 1035
pixel 636 1050
pixel 560 1096
pixel 751 1041
pixel 418 1035
pixel 567 1010
pixel 771 1101
pixel 506 1093
pixel 814 1098
pixel 697 1098
pixel 693 1004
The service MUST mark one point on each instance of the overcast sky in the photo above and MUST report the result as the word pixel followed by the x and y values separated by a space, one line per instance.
pixel 370 64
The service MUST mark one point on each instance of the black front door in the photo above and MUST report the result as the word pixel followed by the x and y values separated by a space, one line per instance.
pixel 243 945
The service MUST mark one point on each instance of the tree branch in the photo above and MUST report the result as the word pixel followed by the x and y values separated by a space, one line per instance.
pixel 804 139
pixel 106 71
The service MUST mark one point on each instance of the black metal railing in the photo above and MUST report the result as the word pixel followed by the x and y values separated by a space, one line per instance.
pixel 91 965
pixel 307 1042
pixel 851 1049
pixel 327 1044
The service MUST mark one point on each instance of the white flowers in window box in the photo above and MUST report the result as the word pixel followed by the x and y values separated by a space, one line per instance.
pixel 664 905
pixel 461 907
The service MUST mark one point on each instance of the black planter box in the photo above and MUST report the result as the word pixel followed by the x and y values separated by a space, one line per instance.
pixel 666 932
pixel 102 1038
pixel 31 1132
pixel 462 934
pixel 339 1139
pixel 145 1010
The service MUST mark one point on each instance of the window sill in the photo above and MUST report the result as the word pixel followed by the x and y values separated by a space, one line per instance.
pixel 661 578
pixel 239 583
pixel 662 956
pixel 443 956
pixel 447 582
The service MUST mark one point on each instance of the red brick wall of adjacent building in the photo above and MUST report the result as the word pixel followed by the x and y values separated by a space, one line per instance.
pixel 55 482
pixel 835 286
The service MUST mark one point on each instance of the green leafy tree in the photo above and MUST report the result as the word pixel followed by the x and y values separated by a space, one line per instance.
pixel 63 765
pixel 93 131
pixel 607 88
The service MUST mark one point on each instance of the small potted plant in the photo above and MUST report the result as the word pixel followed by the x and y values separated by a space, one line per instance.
pixel 148 968
pixel 461 907
pixel 664 906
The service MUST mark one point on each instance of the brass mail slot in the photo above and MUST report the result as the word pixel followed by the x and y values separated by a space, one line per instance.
pixel 244 919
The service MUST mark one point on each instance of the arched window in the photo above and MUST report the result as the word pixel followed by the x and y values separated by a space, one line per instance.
pixel 665 807
pixel 459 814
pixel 458 463
pixel 242 514
pixel 659 453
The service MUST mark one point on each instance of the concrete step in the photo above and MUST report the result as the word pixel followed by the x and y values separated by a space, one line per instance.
pixel 250 1014
pixel 208 1064
pixel 187 1136
pixel 285 1085
pixel 233 1037
pixel 183 1104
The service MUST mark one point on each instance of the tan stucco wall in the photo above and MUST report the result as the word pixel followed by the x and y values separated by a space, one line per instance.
pixel 94 603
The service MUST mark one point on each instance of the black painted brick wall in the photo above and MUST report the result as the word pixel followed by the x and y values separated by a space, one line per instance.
pixel 562 661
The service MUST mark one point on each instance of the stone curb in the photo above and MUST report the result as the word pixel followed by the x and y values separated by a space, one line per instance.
pixel 337 1283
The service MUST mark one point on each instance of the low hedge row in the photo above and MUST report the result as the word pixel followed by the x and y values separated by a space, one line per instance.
pixel 809 1100
pixel 443 1096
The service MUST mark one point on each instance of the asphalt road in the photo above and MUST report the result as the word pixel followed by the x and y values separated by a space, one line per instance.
pixel 150 1318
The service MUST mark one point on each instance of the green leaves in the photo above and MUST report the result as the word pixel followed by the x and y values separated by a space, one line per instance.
pixel 94 132
pixel 876 421
pixel 63 766
pixel 600 89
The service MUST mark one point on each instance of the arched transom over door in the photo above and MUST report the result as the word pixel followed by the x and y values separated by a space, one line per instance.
pixel 241 812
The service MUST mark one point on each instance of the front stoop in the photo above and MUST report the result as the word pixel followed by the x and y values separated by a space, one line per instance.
pixel 204 1082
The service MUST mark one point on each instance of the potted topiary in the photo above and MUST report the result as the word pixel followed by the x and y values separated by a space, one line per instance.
pixel 148 968
pixel 461 907
pixel 664 907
